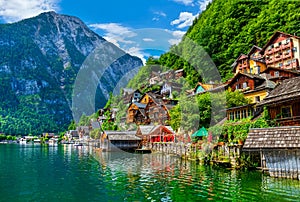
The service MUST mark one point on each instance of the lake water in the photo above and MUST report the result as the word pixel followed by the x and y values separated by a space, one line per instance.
pixel 68 173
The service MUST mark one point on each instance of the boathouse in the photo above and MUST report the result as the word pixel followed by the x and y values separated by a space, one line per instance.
pixel 125 140
pixel 279 149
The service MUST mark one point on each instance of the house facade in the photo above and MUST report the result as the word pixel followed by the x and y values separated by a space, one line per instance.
pixel 277 74
pixel 282 51
pixel 283 102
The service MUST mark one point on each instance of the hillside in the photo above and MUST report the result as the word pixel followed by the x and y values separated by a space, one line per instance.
pixel 39 61
pixel 228 28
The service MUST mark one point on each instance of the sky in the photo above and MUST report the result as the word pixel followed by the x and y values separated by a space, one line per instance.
pixel 140 27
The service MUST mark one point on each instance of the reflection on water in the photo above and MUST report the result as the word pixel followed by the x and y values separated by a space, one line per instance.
pixel 68 173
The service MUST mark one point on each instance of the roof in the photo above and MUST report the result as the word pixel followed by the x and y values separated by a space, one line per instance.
pixel 281 70
pixel 287 90
pixel 241 56
pixel 156 130
pixel 145 130
pixel 252 76
pixel 276 34
pixel 273 138
pixel 252 50
pixel 179 70
pixel 140 105
pixel 122 135
pixel 240 107
pixel 267 84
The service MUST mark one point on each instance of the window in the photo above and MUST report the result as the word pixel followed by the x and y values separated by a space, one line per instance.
pixel 280 64
pixel 258 69
pixel 276 73
pixel 249 112
pixel 245 85
pixel 279 43
pixel 294 49
pixel 257 98
pixel 231 116
pixel 238 115
pixel 287 41
pixel 286 111
pixel 244 113
pixel 237 86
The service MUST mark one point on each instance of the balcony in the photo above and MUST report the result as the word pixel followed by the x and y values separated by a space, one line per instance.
pixel 285 46
pixel 278 58
pixel 269 51
pixel 287 55
pixel 270 61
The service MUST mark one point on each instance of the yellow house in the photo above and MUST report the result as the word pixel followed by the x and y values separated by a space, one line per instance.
pixel 252 63
pixel 260 92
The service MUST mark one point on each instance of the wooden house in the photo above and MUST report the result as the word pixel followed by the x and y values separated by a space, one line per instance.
pixel 283 102
pixel 156 109
pixel 257 63
pixel 133 96
pixel 159 133
pixel 279 149
pixel 125 140
pixel 136 113
pixel 144 133
pixel 244 81
pixel 241 64
pixel 282 51
pixel 252 63
pixel 162 133
pixel 259 92
pixel 240 112
pixel 277 74
pixel 254 87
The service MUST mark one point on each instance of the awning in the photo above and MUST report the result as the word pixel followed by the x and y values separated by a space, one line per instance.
pixel 200 133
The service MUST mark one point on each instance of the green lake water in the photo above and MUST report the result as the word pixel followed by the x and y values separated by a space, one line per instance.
pixel 68 173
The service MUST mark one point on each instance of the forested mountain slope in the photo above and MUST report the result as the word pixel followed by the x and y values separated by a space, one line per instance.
pixel 228 28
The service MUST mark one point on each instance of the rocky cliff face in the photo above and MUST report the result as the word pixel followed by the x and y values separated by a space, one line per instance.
pixel 40 59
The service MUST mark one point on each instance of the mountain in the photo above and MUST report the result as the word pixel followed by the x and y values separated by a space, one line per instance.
pixel 40 59
pixel 228 28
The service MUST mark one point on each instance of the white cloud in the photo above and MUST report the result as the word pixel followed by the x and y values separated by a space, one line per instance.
pixel 185 20
pixel 203 4
pixel 160 13
pixel 148 39
pixel 115 33
pixel 186 2
pixel 135 51
pixel 114 28
pixel 15 10
pixel 177 37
